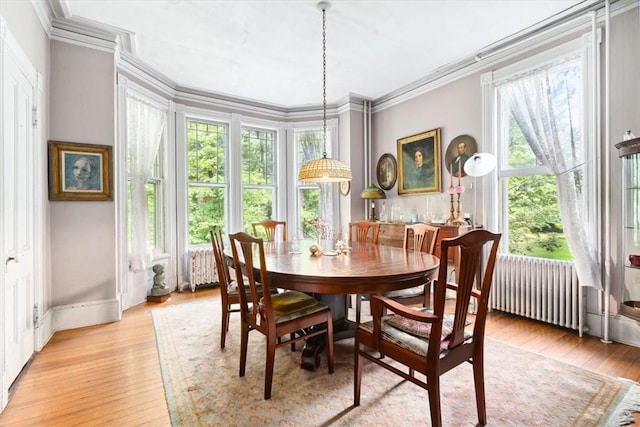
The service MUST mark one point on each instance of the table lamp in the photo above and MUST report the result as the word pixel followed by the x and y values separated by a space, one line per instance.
pixel 372 193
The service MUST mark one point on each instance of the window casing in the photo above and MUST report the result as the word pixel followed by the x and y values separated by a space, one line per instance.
pixel 527 196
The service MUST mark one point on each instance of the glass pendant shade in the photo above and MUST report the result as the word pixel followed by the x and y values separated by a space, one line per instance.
pixel 324 170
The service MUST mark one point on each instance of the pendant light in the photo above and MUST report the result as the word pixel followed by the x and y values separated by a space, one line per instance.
pixel 325 169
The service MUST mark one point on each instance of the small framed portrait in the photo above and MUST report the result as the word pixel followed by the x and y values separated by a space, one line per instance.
pixel 387 171
pixel 458 152
pixel 419 163
pixel 79 171
pixel 345 187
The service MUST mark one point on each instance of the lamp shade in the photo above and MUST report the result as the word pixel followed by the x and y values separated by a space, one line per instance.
pixel 480 164
pixel 372 192
pixel 324 170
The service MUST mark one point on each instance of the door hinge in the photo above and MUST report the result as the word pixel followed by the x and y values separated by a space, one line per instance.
pixel 34 116
pixel 36 319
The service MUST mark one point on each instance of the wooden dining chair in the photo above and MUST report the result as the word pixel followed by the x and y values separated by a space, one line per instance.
pixel 432 342
pixel 270 229
pixel 415 236
pixel 363 232
pixel 275 316
pixel 229 295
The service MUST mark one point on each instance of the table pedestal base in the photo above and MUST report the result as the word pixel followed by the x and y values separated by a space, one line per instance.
pixel 342 329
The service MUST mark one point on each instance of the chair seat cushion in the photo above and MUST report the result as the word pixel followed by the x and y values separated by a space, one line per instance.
pixel 408 292
pixel 417 340
pixel 290 301
pixel 291 305
pixel 419 329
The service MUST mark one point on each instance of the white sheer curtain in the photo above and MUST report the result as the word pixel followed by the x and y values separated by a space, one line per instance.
pixel 145 130
pixel 536 102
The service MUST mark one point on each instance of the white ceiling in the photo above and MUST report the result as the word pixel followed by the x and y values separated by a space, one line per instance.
pixel 271 50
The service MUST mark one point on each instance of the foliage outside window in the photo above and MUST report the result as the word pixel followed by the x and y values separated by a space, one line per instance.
pixel 207 144
pixel 154 202
pixel 530 194
pixel 258 176
pixel 309 146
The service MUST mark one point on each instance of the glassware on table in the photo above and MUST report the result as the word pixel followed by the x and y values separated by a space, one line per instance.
pixel 295 245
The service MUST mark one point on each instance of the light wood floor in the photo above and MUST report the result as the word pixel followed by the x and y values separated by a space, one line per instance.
pixel 110 375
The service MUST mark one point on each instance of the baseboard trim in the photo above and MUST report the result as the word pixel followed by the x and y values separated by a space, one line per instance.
pixel 621 329
pixel 45 330
pixel 90 313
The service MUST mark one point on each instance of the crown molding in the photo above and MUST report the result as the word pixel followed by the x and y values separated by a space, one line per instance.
pixel 94 35
pixel 570 21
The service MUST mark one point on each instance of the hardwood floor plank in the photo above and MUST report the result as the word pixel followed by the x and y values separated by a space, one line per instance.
pixel 110 374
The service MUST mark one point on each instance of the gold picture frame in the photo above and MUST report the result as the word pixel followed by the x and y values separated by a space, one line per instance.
pixel 419 159
pixel 79 172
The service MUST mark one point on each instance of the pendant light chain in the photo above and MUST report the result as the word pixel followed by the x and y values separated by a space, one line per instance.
pixel 324 82
pixel 324 169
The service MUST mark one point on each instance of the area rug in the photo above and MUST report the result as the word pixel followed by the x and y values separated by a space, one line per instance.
pixel 203 388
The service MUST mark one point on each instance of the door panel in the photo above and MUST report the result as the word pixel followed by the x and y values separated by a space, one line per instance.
pixel 17 162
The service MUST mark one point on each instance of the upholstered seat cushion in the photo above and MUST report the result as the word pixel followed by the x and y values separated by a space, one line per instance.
pixel 290 301
pixel 408 292
pixel 410 335
pixel 293 304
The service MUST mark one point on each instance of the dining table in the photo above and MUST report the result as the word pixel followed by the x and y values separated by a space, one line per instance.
pixel 330 276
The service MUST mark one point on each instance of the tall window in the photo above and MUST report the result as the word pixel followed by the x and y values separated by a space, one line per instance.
pixel 207 144
pixel 146 140
pixel 531 214
pixel 309 146
pixel 530 195
pixel 258 176
pixel 546 166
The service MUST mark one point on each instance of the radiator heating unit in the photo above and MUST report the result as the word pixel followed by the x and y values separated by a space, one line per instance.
pixel 202 267
pixel 540 289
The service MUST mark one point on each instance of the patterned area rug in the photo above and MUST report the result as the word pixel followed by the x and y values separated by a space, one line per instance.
pixel 202 385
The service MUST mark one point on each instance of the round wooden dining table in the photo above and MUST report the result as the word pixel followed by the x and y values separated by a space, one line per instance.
pixel 330 277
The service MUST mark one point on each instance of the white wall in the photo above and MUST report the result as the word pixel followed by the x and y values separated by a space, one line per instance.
pixel 83 234
pixel 456 109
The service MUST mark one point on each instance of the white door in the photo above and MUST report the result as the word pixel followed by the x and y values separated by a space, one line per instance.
pixel 17 201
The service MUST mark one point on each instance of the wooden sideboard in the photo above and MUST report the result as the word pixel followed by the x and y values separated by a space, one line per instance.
pixel 392 234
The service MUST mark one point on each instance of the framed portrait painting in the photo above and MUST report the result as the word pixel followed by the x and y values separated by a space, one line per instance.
pixel 387 171
pixel 419 163
pixel 79 171
pixel 460 149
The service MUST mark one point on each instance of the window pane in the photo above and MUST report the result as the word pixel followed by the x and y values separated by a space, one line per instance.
pixel 152 197
pixel 206 210
pixel 520 153
pixel 559 87
pixel 308 208
pixel 206 152
pixel 535 227
pixel 257 157
pixel 257 205
pixel 310 146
